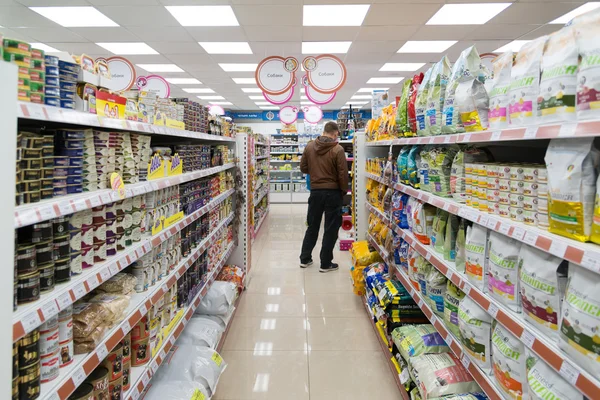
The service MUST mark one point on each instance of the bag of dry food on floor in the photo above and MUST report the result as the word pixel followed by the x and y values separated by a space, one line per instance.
pixel 525 83
pixel 402 125
pixel 499 97
pixel 436 96
pixel 509 362
pixel 472 102
pixel 414 340
pixel 587 30
pixel 421 104
pixel 452 300
pixel 572 170
pixel 438 375
pixel 558 84
pixel 475 326
pixel 544 383
pixel 460 250
pixel 542 281
pixel 580 325
pixel 476 250
pixel 504 271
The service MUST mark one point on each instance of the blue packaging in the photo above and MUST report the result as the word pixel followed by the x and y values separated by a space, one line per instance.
pixel 75 171
pixel 52 91
pixel 68 152
pixel 71 189
pixel 68 67
pixel 70 134
pixel 69 144
pixel 67 95
pixel 52 81
pixel 74 180
pixel 67 104
pixel 68 161
pixel 68 77
pixel 52 101
pixel 51 60
pixel 68 86
pixel 51 70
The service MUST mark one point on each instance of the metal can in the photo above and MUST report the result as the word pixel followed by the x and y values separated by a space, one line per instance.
pixel 66 353
pixel 114 363
pixel 60 226
pixel 530 188
pixel 141 330
pixel 61 249
pixel 530 173
pixel 516 173
pixel 99 381
pixel 126 374
pixel 126 346
pixel 516 214
pixel 49 337
pixel 542 220
pixel 504 172
pixel 44 252
pixel 530 203
pixel 65 324
pixel 62 270
pixel 516 187
pixel 29 349
pixel 483 205
pixel 26 259
pixel 47 277
pixel 29 382
pixel 84 391
pixel 516 200
pixel 50 367
pixel 41 232
pixel 140 352
pixel 141 275
pixel 542 204
pixel 542 190
pixel 15 360
pixel 115 389
pixel 28 288
pixel 530 217
pixel 76 263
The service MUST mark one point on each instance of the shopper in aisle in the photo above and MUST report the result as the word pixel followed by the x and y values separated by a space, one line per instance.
pixel 325 161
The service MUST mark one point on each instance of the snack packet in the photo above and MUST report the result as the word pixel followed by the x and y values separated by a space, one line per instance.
pixel 499 99
pixel 436 96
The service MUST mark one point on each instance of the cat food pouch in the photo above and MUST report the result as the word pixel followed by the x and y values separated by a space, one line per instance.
pixel 544 383
pixel 542 282
pixel 572 167
pixel 452 300
pixel 402 125
pixel 423 215
pixel 450 238
pixel 580 324
pixel 421 104
pixel 399 217
pixel 587 30
pixel 412 98
pixel 525 83
pixel 468 64
pixel 475 326
pixel 439 230
pixel 413 169
pixel 460 250
pixel 440 168
pixel 509 362
pixel 498 115
pixel 472 102
pixel 436 96
pixel 402 163
pixel 504 272
pixel 476 253
pixel 464 156
pixel 558 84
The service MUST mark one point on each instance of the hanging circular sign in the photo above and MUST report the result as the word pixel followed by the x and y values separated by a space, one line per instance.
pixel 154 84
pixel 122 73
pixel 316 97
pixel 280 98
pixel 328 76
pixel 214 109
pixel 309 63
pixel 288 115
pixel 312 114
pixel 275 75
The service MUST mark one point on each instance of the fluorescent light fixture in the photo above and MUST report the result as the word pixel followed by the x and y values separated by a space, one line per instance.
pixel 576 12
pixel 262 103
pixel 246 81
pixel 160 67
pixel 211 97
pixel 303 90
pixel 401 66
pixel 129 49
pixel 370 90
pixel 184 81
pixel 75 17
pixel 394 80
pixel 226 47
pixel 197 90
pixel 239 67
pixel 250 89
pixel 325 47
pixel 467 14
pixel 221 103
pixel 303 97
pixel 257 97
pixel 269 108
pixel 345 15
pixel 204 15
pixel 361 97
pixel 426 46
pixel 513 46
pixel 44 47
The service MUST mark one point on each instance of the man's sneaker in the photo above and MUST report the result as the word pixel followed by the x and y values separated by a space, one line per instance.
pixel 329 268
pixel 306 264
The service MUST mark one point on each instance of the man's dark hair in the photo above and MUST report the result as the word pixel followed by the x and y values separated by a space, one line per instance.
pixel 331 128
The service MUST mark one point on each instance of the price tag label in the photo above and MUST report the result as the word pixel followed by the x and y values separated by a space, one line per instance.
pixel 114 269
pixel 135 394
pixel 54 396
pixel 527 338
pixel 504 228
pixel 569 372
pixel 36 112
pixel 467 289
pixel 105 274
pixel 466 138
pixel 491 223
pixel 447 139
pixel 105 197
pixel 65 208
pixel 79 376
pixel 493 310
pixel 145 378
pixel 428 256
pixel 153 366
pixel 530 132
pixel 446 206
pixel 125 327
pixel 49 309
pixel 530 238
pixel 102 352
pixel 466 362
pixel 591 261
pixel 93 282
pixel 64 300
pixel 79 291
pixel 143 309
pixel 31 321
pixel 483 220
pixel 172 340
pixel 496 135
pixel 558 248
pixel 462 212
pixel 431 140
pixel 47 212
pixel 567 129
pixel 473 215
pixel 162 354
pixel 404 376
pixel 165 288
pixel 518 233
pixel 420 303
pixel 449 340
pixel 95 201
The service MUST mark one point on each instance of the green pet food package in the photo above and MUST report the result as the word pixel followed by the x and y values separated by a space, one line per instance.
pixel 475 326
pixel 436 95
pixel 402 164
pixel 450 237
pixel 436 290
pixel 545 383
pixel 413 167
pixel 587 31
pixel 415 340
pixel 402 125
pixel 439 160
pixel 439 230
pixel 461 239
pixel 421 105
pixel 452 300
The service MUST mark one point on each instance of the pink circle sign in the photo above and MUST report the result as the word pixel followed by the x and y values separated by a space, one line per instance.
pixel 328 75
pixel 275 75
pixel 318 98
pixel 312 114
pixel 288 115
pixel 154 84
pixel 279 98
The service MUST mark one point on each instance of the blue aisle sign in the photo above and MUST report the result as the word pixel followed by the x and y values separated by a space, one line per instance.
pixel 274 115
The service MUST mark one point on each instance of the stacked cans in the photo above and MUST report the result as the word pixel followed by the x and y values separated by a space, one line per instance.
pixel 37 74
pixel 65 336
pixel 68 74
pixel 81 233
pixel 32 157
pixel 49 350
pixel 68 167
pixel 194 195
pixel 96 385
pixel 195 115
pixel 27 366
pixel 155 265
pixel 126 342
pixel 194 157
pixel 192 281
pixel 140 145
pixel 108 155
pixel 52 88
pixel 193 234
pixel 114 364
pixel 140 341
pixel 100 222
pixel 160 205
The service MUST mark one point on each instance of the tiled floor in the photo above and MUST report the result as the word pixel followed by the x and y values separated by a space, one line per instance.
pixel 300 334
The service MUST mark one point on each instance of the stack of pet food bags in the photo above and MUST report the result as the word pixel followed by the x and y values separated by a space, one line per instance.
pixel 362 257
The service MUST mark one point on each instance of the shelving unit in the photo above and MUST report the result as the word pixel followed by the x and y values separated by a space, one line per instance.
pixel 261 184
pixel 288 185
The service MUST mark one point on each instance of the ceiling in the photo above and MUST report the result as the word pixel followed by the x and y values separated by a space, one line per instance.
pixel 275 27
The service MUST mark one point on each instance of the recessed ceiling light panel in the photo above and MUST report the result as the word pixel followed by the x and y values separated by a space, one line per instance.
pixel 245 81
pixel 238 67
pixel 426 46
pixel 197 90
pixel 576 12
pixel 128 49
pixel 75 17
pixel 204 15
pixel 335 15
pixel 467 13
pixel 211 97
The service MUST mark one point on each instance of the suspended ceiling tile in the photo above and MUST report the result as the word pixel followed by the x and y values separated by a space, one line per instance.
pixel 48 35
pixel 149 59
pixel 273 33
pixel 169 48
pixel 400 14
pixel 191 58
pixel 236 58
pixel 327 34
pixel 51 3
pixel 17 34
pixel 376 47
pixel 102 35
pixel 500 31
pixel 268 15
pixel 79 48
pixel 23 17
pixel 541 31
pixel 129 2
pixel 369 33
pixel 532 13
pixel 217 33
pixel 284 49
pixel 163 34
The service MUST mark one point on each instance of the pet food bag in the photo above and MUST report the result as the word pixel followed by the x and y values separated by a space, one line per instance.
pixel 399 209
pixel 436 96
pixel 525 83
pixel 465 155
pixel 503 270
pixel 558 84
pixel 476 250
pixel 436 290
pixel 572 167
pixel 509 362
pixel 415 340
pixel 201 332
pixel 414 90
pixel 218 299
pixel 472 102
pixel 499 98
pixel 587 30
pixel 595 236
pixel 414 158
pixel 402 124
pixel 467 65
pixel 423 215
pixel 580 325
pixel 475 327
pixel 437 375
pixel 543 383
pixel 439 230
pixel 460 250
pixel 421 104
pixel 542 282
pixel 402 164
pixel 451 302
pixel 450 238
pixel 439 160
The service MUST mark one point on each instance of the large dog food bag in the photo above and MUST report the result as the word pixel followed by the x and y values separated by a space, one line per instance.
pixel 504 272
pixel 544 383
pixel 438 375
pixel 476 247
pixel 509 362
pixel 475 326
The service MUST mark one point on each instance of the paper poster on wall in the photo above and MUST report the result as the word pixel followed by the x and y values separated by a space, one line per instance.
pixel 379 102
pixel 154 84
pixel 275 75
pixel 326 73
pixel 122 73
pixel 312 114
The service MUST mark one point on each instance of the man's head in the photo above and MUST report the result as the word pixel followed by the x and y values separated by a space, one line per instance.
pixel 331 130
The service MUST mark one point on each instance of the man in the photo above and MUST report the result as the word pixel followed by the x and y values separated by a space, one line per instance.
pixel 325 161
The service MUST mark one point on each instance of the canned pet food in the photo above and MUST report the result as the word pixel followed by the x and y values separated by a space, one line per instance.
pixel 483 205
pixel 99 215
pixel 516 173
pixel 49 341
pixel 492 209
pixel 516 214
pixel 62 270
pixel 516 200
pixel 29 382
pixel 542 204
pixel 41 232
pixel 99 251
pixel 504 210
pixel 140 330
pixel 47 277
pixel 542 174
pixel 66 353
pixel 15 389
pixel 115 389
pixel 61 249
pixel 140 352
pixel 529 217
pixel 26 259
pixel 530 203
pixel 530 189
pixel 126 374
pixel 87 257
pixel 84 391
pixel 15 360
pixel 44 252
pixel 530 174
pixel 29 349
pixel 28 288
pixel 542 190
pixel 60 227
pixel 516 187
pixel 65 324
pixel 100 232
pixel 50 367
pixel 99 381
pixel 493 196
pixel 114 363
pixel 87 237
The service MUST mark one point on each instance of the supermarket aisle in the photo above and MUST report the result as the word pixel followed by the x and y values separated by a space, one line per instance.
pixel 300 334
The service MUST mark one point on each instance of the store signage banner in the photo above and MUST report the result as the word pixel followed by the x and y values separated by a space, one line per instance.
pixel 288 115
pixel 274 115
pixel 275 75
pixel 326 73
pixel 122 73
pixel 279 99
pixel 314 96
pixel 312 114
